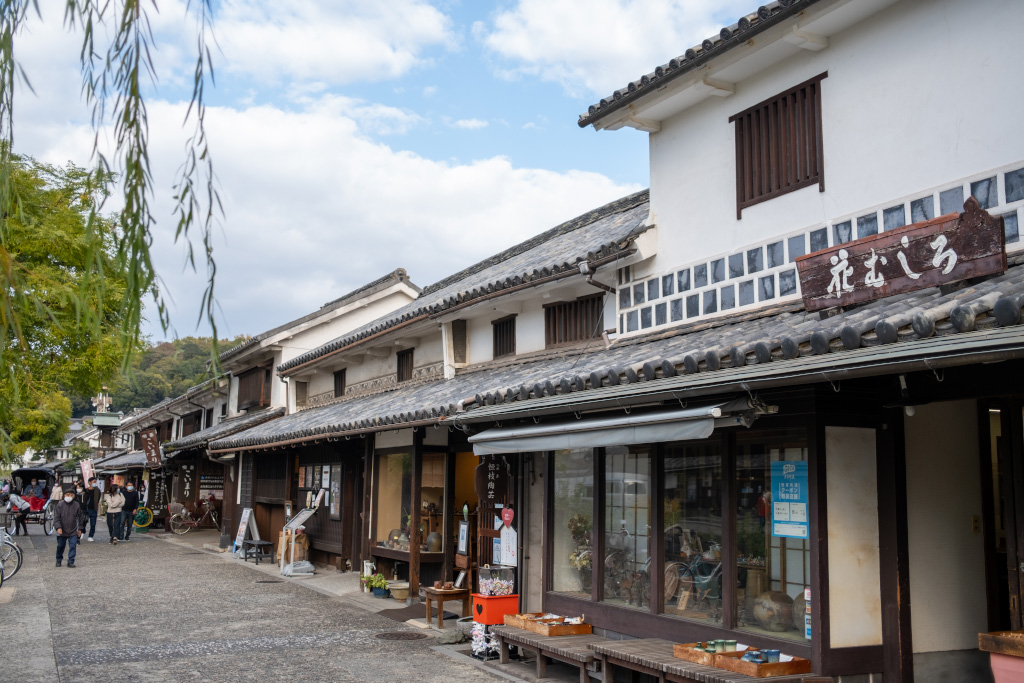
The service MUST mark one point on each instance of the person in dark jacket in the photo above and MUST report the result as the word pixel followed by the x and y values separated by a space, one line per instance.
pixel 131 504
pixel 92 505
pixel 67 519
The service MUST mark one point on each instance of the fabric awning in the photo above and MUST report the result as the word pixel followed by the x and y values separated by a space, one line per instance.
pixel 677 425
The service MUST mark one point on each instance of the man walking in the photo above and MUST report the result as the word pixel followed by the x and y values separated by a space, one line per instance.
pixel 92 505
pixel 68 520
pixel 131 504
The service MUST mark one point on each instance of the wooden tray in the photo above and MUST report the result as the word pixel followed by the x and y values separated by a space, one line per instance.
pixel 519 620
pixel 552 628
pixel 1002 642
pixel 732 661
pixel 686 651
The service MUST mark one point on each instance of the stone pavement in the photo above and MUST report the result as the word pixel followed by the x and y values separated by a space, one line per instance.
pixel 153 610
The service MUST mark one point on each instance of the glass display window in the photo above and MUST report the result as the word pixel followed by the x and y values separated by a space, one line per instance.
pixel 394 500
pixel 573 522
pixel 692 537
pixel 627 526
pixel 432 502
pixel 772 541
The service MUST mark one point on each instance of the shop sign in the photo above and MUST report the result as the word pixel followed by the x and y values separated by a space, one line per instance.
pixel 940 251
pixel 491 480
pixel 86 469
pixel 789 499
pixel 150 446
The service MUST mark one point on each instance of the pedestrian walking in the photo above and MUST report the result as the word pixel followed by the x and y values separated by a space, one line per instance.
pixel 131 504
pixel 68 520
pixel 92 506
pixel 115 503
pixel 21 508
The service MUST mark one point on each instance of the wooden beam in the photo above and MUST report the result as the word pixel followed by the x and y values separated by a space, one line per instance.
pixel 414 525
pixel 715 87
pixel 448 521
pixel 893 553
pixel 806 40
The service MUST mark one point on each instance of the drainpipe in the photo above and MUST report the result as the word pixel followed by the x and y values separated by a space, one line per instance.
pixel 588 273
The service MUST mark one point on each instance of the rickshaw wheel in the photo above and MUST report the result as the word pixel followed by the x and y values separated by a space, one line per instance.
pixel 48 518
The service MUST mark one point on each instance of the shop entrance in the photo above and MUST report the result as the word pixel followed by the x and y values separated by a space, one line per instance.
pixel 1003 491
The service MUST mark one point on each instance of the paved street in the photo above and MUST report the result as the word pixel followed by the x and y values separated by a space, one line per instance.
pixel 154 610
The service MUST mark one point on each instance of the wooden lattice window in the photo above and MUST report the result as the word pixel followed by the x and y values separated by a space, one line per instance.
pixel 504 336
pixel 568 322
pixel 404 365
pixel 778 145
pixel 254 388
pixel 339 383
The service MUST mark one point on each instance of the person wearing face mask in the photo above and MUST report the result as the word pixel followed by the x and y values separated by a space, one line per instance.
pixel 68 521
pixel 34 489
pixel 131 504
pixel 92 505
pixel 115 503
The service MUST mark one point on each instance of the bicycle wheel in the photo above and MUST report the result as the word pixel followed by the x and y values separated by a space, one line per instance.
pixel 10 558
pixel 179 524
pixel 48 514
pixel 144 517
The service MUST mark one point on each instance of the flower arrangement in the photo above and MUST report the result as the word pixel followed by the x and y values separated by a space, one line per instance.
pixel 579 528
pixel 580 558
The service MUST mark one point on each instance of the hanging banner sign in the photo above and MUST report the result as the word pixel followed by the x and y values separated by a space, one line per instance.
pixel 490 482
pixel 150 446
pixel 789 499
pixel 946 249
pixel 86 466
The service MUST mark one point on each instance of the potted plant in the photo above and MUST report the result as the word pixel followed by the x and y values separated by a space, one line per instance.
pixel 378 584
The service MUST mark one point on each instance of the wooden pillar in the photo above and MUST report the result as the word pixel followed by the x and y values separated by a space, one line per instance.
pixel 450 513
pixel 366 513
pixel 894 565
pixel 414 525
pixel 656 548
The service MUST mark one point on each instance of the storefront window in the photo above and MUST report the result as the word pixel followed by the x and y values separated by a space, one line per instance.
pixel 692 541
pixel 432 502
pixel 627 523
pixel 573 521
pixel 772 532
pixel 394 500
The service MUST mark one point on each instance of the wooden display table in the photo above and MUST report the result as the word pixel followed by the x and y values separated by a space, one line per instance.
pixel 440 596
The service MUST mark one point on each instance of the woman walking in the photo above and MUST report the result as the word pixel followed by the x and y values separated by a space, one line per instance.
pixel 115 502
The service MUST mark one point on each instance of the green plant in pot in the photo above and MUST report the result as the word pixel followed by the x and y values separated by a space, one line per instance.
pixel 377 583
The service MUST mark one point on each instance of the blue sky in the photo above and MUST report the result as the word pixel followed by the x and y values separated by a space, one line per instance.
pixel 353 137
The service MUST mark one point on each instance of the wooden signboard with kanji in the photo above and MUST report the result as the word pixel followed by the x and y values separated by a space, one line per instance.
pixel 150 446
pixel 490 481
pixel 940 251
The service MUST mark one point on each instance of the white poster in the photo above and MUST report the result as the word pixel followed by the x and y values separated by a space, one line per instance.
pixel 509 549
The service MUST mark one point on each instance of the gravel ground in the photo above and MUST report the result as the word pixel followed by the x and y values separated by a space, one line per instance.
pixel 150 610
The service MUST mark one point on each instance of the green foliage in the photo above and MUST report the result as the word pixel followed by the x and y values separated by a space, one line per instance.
pixel 79 451
pixel 95 274
pixel 166 369
pixel 375 581
pixel 56 250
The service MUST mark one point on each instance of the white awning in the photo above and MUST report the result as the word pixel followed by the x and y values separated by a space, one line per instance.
pixel 677 425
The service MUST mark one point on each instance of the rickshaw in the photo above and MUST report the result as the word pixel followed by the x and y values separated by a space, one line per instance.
pixel 42 508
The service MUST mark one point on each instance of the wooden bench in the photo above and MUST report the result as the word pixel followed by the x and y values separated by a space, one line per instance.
pixel 654 657
pixel 574 650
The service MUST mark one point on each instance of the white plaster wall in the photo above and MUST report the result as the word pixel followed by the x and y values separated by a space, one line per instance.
pixel 480 333
pixel 910 103
pixel 853 569
pixel 393 439
pixel 947 560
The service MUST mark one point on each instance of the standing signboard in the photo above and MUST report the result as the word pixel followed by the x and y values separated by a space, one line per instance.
pixel 789 499
pixel 247 523
pixel 150 446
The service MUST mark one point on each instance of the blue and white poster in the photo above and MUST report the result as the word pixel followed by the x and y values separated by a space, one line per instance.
pixel 789 499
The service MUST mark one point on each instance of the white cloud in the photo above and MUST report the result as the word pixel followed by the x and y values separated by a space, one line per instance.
pixel 470 124
pixel 339 42
pixel 597 48
pixel 430 91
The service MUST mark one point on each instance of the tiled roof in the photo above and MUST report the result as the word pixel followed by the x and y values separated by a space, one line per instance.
pixel 774 342
pixel 394 277
pixel 596 235
pixel 729 37
pixel 122 460
pixel 223 429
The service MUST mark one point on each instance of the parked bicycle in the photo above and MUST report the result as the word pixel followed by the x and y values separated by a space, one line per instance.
pixel 11 555
pixel 182 522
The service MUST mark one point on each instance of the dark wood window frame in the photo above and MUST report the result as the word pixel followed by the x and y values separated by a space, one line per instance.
pixel 301 394
pixel 779 145
pixel 339 383
pixel 254 388
pixel 504 331
pixel 405 364
pixel 569 322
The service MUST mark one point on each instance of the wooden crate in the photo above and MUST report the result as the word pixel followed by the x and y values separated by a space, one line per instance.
pixel 686 651
pixel 1002 642
pixel 554 628
pixel 732 661
pixel 520 620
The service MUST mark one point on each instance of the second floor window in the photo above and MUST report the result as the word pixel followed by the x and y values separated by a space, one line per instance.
pixel 404 365
pixel 301 394
pixel 778 145
pixel 567 322
pixel 339 383
pixel 254 388
pixel 504 336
